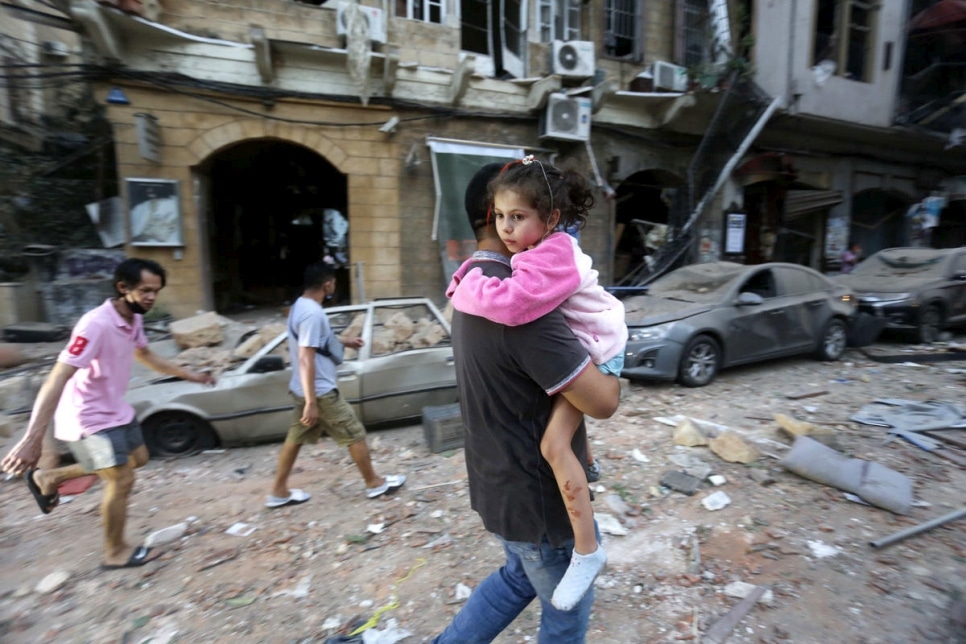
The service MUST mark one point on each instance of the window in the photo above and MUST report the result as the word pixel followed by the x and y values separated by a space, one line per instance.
pixel 622 29
pixel 798 282
pixel 559 20
pixel 424 10
pixel 762 283
pixel 11 92
pixel 495 30
pixel 844 36
pixel 697 40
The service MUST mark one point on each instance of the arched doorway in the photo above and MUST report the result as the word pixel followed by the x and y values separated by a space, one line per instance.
pixel 641 219
pixel 879 220
pixel 273 208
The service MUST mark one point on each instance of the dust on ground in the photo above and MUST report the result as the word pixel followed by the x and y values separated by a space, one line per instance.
pixel 305 571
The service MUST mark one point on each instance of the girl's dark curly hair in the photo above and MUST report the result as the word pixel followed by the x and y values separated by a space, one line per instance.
pixel 547 188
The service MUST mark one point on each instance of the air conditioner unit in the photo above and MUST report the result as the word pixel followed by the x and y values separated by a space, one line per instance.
pixel 55 48
pixel 573 58
pixel 566 117
pixel 670 77
pixel 377 23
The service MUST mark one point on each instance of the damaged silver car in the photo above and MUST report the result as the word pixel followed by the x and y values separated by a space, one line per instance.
pixel 699 319
pixel 406 364
pixel 922 290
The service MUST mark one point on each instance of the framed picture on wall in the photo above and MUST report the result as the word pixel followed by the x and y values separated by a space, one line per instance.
pixel 154 212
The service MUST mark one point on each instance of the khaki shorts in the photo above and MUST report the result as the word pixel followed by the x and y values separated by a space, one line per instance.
pixel 336 419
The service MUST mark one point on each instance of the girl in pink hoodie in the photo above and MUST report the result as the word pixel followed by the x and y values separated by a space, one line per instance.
pixel 529 202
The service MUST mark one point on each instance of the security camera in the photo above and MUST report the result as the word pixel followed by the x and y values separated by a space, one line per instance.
pixel 390 125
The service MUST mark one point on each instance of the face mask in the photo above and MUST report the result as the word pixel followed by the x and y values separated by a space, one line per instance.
pixel 134 307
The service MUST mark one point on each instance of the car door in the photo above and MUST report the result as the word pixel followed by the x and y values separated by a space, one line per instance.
pixel 956 305
pixel 261 405
pixel 410 363
pixel 807 308
pixel 753 331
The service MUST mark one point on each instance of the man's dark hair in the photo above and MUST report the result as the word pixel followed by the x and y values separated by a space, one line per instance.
pixel 129 272
pixel 316 275
pixel 476 201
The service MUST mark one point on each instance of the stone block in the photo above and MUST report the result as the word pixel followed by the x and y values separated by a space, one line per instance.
pixel 688 435
pixel 729 447
pixel 199 331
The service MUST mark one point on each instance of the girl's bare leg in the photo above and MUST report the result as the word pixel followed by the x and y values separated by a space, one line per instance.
pixel 588 557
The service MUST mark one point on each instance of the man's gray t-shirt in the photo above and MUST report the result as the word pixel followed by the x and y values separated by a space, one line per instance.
pixel 308 326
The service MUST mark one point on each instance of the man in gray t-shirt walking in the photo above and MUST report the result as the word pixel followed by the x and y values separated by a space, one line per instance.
pixel 316 352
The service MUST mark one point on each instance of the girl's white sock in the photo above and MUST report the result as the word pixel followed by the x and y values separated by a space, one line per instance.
pixel 578 578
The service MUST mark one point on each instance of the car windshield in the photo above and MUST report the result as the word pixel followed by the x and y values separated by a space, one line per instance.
pixel 914 262
pixel 698 282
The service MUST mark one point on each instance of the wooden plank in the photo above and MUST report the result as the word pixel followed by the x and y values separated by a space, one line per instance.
pixel 720 631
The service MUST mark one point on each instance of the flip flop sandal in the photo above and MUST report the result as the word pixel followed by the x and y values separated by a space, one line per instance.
pixel 138 558
pixel 46 502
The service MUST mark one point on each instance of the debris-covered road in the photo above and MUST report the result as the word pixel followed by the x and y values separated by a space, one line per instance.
pixel 676 568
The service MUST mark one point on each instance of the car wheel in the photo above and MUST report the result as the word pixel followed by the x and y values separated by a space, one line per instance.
pixel 700 362
pixel 834 339
pixel 930 324
pixel 177 433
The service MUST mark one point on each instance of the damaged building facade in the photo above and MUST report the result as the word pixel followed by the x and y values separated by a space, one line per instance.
pixel 253 137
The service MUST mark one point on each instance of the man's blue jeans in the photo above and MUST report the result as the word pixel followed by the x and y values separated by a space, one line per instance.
pixel 531 570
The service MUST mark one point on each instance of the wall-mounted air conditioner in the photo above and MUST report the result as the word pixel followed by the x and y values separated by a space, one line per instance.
pixel 573 58
pixel 566 117
pixel 54 48
pixel 374 16
pixel 670 77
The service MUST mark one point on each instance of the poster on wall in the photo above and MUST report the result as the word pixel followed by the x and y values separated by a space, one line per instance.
pixel 735 233
pixel 154 212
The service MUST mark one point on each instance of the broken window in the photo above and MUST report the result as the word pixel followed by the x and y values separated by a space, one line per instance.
pixel 559 20
pixel 622 29
pixel 11 92
pixel 697 39
pixel 423 10
pixel 844 35
pixel 495 30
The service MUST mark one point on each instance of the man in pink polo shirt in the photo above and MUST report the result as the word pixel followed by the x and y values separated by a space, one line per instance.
pixel 84 394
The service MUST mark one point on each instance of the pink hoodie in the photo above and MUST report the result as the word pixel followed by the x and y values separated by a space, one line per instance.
pixel 553 273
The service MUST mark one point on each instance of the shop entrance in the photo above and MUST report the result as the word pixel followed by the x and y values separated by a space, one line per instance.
pixel 272 209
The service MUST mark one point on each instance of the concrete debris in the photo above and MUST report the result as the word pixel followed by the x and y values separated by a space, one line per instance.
pixel 608 524
pixel 166 535
pixel 729 447
pixel 716 501
pixel 741 589
pixel 681 482
pixel 199 331
pixel 717 480
pixel 52 582
pixel 794 428
pixel 687 435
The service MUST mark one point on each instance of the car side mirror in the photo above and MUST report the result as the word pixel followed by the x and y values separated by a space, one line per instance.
pixel 267 364
pixel 749 299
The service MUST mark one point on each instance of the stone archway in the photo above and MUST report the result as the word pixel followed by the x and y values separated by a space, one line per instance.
pixel 265 192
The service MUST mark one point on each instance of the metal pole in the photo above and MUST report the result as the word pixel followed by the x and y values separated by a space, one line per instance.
pixel 922 527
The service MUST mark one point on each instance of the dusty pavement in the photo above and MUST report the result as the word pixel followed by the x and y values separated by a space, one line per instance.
pixel 304 571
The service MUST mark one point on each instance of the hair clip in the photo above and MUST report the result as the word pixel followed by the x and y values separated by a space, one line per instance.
pixel 527 160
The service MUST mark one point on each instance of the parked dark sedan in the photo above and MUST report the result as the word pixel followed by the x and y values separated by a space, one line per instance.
pixel 699 319
pixel 916 289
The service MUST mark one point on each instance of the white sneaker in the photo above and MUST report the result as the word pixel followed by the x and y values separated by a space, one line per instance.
pixel 294 498
pixel 392 483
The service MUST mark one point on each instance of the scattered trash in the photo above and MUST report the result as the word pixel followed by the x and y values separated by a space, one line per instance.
pixel 214 451
pixel 716 501
pixel 808 393
pixel 640 456
pixel 462 592
pixel 240 529
pixel 922 527
pixel 375 528
pixel 717 480
pixel 873 482
pixel 821 550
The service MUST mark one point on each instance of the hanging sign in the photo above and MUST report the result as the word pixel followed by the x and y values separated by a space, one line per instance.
pixel 149 136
